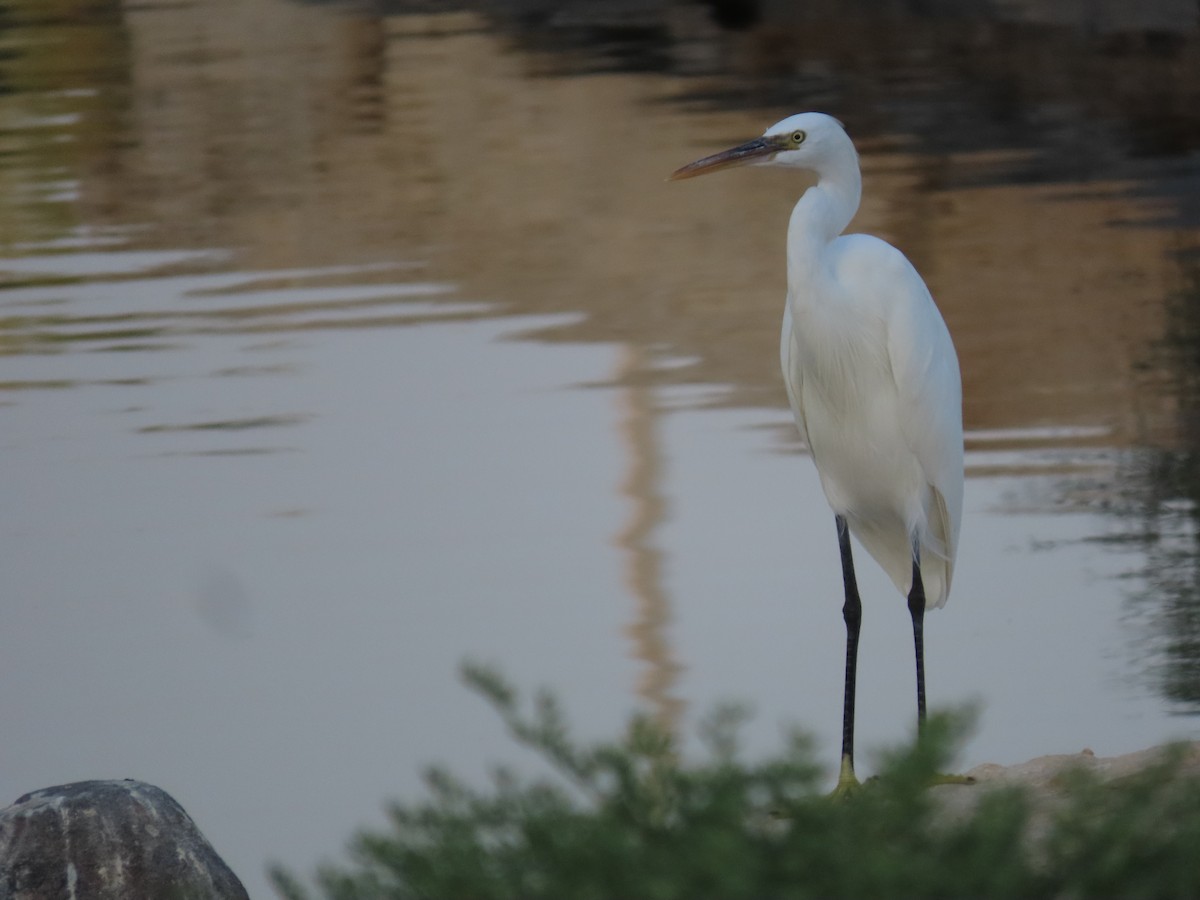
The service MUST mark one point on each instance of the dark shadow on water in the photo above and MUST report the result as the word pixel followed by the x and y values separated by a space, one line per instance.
pixel 1070 93
pixel 1160 505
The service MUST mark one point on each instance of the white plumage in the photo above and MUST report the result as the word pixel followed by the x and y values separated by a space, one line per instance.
pixel 872 377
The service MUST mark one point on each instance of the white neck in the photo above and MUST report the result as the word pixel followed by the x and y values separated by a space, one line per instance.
pixel 823 212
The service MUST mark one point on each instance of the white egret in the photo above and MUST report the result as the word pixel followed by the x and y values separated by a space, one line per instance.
pixel 873 381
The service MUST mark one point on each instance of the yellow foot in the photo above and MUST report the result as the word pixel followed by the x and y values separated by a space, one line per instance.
pixel 847 785
pixel 951 779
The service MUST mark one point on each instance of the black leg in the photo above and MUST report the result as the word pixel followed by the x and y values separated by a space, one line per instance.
pixel 852 613
pixel 916 608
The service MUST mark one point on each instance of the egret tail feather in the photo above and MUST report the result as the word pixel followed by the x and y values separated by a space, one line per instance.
pixel 890 547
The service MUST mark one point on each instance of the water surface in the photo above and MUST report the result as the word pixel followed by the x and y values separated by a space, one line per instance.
pixel 339 343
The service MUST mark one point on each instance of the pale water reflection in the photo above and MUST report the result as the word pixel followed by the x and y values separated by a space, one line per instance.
pixel 337 346
pixel 252 578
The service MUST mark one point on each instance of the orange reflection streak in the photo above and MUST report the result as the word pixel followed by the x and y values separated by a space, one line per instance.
pixel 643 560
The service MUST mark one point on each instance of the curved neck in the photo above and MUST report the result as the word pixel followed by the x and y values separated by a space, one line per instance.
pixel 823 212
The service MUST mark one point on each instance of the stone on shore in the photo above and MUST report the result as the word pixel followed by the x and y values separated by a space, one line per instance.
pixel 95 840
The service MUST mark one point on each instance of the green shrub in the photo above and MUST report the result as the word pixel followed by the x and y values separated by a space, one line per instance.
pixel 629 820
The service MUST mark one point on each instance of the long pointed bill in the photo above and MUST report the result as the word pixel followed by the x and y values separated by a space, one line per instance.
pixel 743 154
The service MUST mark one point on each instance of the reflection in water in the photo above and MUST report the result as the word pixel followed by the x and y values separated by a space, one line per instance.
pixel 1031 157
pixel 64 70
pixel 1161 501
pixel 642 487
pixel 267 193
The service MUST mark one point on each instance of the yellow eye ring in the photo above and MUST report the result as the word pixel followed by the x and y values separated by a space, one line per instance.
pixel 798 137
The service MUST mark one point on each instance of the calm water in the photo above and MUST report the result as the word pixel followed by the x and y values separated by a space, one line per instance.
pixel 341 343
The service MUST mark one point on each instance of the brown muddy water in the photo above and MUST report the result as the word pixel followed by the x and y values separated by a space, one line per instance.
pixel 340 342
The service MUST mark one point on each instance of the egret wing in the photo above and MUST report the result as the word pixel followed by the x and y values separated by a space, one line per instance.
pixel 793 376
pixel 928 387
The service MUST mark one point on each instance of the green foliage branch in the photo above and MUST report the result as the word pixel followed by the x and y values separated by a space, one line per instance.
pixel 629 819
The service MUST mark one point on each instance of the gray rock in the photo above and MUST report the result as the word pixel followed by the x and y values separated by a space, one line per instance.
pixel 107 839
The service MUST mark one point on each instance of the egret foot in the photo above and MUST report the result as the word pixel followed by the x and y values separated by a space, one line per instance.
pixel 939 778
pixel 848 784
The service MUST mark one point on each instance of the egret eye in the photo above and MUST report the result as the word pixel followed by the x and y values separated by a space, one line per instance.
pixel 798 137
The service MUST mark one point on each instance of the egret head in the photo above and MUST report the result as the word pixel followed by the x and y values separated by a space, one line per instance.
pixel 808 140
